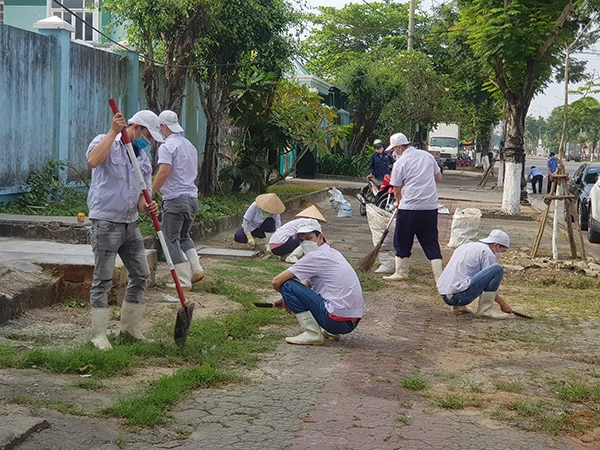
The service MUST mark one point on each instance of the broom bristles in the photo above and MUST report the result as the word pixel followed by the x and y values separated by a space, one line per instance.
pixel 368 261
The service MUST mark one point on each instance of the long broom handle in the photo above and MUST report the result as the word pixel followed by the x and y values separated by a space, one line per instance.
pixel 136 167
pixel 387 228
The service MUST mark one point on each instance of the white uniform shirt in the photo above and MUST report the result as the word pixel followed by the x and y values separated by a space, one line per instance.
pixel 253 220
pixel 115 190
pixel 415 171
pixel 182 156
pixel 288 230
pixel 467 260
pixel 334 279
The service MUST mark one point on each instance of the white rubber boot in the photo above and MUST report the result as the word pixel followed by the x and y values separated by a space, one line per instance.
pixel 197 270
pixel 401 273
pixel 330 336
pixel 100 318
pixel 184 273
pixel 293 257
pixel 312 331
pixel 387 265
pixel 131 320
pixel 486 306
pixel 436 267
pixel 458 310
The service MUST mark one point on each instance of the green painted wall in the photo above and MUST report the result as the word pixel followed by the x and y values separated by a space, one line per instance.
pixel 22 16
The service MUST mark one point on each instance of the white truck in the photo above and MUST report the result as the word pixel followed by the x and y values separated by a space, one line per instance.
pixel 444 140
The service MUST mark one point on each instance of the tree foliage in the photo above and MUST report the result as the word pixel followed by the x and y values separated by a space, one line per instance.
pixel 518 43
pixel 275 117
pixel 239 33
pixel 361 48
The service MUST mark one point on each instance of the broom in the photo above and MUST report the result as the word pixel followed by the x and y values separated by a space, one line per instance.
pixel 367 262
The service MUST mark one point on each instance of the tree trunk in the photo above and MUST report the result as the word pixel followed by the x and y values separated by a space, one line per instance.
pixel 360 134
pixel 514 157
pixel 214 103
pixel 207 181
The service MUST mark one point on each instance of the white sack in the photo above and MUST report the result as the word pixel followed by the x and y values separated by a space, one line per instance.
pixel 465 226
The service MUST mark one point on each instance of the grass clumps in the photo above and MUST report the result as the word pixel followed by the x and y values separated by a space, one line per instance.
pixel 149 408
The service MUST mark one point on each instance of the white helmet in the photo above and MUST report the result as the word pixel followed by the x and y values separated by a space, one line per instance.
pixel 378 143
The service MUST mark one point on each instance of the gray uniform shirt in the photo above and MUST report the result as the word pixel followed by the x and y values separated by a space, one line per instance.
pixel 115 190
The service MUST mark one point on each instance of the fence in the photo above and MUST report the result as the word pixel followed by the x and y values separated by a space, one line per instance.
pixel 54 95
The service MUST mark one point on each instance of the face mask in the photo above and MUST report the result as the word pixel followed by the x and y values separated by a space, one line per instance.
pixel 379 150
pixel 499 255
pixel 264 214
pixel 141 142
pixel 308 246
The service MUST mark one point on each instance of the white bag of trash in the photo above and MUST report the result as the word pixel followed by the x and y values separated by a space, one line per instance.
pixel 339 203
pixel 465 226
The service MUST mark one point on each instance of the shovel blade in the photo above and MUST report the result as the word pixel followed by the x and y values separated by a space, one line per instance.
pixel 182 324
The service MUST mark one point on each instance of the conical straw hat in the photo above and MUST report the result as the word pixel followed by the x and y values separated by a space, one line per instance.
pixel 270 203
pixel 312 212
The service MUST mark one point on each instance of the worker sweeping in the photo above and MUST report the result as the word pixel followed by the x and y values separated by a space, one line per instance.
pixel 322 289
pixel 114 199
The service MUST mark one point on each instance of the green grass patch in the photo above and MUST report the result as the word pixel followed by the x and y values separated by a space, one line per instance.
pixel 454 401
pixel 403 419
pixel 149 408
pixel 552 418
pixel 508 386
pixel 414 383
pixel 577 391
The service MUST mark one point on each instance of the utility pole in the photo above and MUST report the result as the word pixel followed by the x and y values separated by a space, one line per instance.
pixel 411 25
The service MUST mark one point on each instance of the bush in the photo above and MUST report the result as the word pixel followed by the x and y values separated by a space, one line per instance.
pixel 346 165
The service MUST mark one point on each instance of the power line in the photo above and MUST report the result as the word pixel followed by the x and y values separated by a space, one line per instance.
pixel 146 57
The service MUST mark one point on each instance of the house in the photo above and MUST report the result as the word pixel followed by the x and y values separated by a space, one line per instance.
pixel 24 13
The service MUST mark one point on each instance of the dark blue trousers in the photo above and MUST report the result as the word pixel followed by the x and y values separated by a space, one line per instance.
pixel 423 225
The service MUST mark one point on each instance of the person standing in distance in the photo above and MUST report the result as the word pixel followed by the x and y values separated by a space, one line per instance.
pixel 381 161
pixel 176 180
pixel 552 166
pixel 414 177
pixel 114 199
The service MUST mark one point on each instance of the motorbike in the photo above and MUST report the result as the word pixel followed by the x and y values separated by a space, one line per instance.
pixel 378 193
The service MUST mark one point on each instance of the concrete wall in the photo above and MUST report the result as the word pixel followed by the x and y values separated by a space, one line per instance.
pixel 54 96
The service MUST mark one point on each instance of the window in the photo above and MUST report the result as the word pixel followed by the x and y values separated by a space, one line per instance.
pixel 1 11
pixel 83 9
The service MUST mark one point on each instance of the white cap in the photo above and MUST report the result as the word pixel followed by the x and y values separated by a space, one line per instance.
pixel 149 120
pixel 396 140
pixel 497 237
pixel 309 227
pixel 170 119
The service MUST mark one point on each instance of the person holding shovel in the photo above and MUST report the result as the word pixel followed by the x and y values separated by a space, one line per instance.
pixel 473 271
pixel 114 199
pixel 322 289
pixel 176 180
pixel 261 220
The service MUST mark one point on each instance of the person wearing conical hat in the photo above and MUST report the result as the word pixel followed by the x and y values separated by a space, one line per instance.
pixel 284 240
pixel 261 219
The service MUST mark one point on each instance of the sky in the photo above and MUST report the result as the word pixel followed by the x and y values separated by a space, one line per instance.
pixel 542 104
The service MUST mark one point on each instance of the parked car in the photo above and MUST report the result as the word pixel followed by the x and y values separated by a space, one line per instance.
pixel 594 213
pixel 580 185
